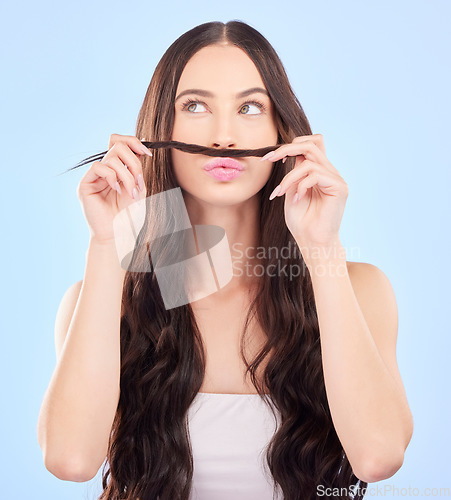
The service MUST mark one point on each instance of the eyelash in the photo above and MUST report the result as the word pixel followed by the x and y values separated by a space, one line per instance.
pixel 188 102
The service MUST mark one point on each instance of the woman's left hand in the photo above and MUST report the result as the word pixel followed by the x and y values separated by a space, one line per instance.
pixel 314 219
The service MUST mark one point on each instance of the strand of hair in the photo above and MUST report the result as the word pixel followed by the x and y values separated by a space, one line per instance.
pixel 189 148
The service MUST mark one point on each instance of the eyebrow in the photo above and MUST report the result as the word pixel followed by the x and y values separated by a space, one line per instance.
pixel 207 93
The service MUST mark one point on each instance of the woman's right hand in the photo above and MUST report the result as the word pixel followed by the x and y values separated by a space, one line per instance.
pixel 99 192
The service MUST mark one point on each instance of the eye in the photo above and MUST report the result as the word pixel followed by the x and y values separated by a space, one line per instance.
pixel 190 103
pixel 258 106
pixel 248 108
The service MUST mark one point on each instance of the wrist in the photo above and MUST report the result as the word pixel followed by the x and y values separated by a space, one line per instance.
pixel 324 259
pixel 106 253
pixel 93 241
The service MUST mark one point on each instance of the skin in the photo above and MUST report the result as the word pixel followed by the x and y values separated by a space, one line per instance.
pixel 365 392
pixel 356 305
pixel 223 121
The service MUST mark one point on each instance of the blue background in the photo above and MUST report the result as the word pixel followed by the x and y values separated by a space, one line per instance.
pixel 373 78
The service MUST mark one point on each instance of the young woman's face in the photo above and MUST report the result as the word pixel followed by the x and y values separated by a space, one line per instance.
pixel 211 112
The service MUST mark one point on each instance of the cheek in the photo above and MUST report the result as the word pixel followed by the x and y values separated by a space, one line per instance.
pixel 182 164
pixel 263 134
pixel 258 174
pixel 185 131
pixel 177 159
pixel 175 129
pixel 179 128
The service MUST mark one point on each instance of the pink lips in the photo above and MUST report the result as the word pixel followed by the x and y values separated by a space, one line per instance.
pixel 224 169
pixel 223 162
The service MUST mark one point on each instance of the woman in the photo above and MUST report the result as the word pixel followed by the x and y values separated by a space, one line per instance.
pixel 177 399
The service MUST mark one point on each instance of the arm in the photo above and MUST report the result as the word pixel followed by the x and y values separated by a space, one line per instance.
pixel 357 316
pixel 358 322
pixel 80 403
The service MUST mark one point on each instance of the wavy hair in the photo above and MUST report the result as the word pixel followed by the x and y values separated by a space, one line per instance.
pixel 162 354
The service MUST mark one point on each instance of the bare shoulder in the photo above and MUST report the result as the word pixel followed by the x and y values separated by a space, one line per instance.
pixel 364 276
pixel 356 267
pixel 377 301
pixel 64 315
pixel 373 289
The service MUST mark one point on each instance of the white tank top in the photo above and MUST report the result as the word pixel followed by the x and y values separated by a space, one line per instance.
pixel 229 434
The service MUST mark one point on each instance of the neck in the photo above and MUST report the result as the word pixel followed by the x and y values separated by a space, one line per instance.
pixel 241 223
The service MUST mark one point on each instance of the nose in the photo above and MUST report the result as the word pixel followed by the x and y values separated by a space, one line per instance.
pixel 223 145
pixel 222 135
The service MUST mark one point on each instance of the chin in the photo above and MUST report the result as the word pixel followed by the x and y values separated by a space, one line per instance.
pixel 218 197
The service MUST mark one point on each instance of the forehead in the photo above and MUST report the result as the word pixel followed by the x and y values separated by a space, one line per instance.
pixel 224 68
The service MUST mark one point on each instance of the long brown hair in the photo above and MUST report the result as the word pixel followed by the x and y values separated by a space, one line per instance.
pixel 162 354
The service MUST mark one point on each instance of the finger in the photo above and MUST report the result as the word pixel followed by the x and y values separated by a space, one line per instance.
pixel 325 184
pixel 301 188
pixel 126 155
pixel 308 149
pixel 131 141
pixel 318 139
pixel 294 150
pixel 98 171
pixel 295 175
pixel 124 175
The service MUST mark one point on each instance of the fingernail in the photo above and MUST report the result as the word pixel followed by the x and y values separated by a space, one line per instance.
pixel 284 160
pixel 135 193
pixel 275 192
pixel 268 156
pixel 140 182
pixel 146 151
pixel 295 198
pixel 118 188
